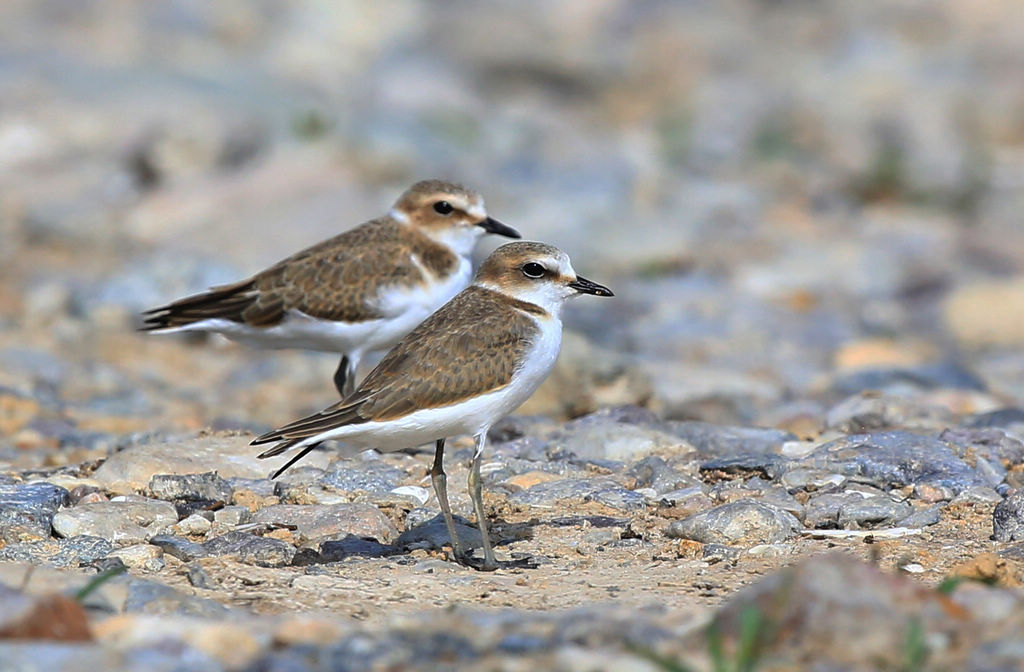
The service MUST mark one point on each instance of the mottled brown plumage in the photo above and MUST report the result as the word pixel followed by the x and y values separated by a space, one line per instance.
pixel 469 347
pixel 336 279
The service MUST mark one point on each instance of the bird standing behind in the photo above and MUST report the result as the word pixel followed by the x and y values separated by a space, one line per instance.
pixel 358 292
pixel 464 368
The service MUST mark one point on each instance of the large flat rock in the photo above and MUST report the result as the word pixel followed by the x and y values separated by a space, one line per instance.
pixel 227 453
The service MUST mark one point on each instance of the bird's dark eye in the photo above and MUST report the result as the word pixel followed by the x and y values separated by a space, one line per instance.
pixel 443 208
pixel 533 270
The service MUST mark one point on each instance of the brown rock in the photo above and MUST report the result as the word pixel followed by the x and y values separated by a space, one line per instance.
pixel 882 352
pixel 987 314
pixel 15 412
pixel 990 568
pixel 53 617
pixel 529 479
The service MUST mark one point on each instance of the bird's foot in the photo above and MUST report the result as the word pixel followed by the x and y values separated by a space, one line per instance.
pixel 518 561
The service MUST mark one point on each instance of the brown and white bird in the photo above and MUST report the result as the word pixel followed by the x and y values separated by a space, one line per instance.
pixel 355 293
pixel 464 368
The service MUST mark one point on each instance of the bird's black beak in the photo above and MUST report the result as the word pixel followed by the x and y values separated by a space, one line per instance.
pixel 491 225
pixel 584 286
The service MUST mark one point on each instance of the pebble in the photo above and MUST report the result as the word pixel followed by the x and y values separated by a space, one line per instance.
pixel 122 522
pixel 27 510
pixel 150 597
pixel 232 516
pixel 718 441
pixel 922 517
pixel 654 473
pixel 612 440
pixel 414 492
pixel 141 556
pixel 316 523
pixel 339 549
pixel 250 549
pixel 1008 518
pixel 194 525
pixel 870 411
pixel 893 459
pixel 872 512
pixel 743 522
pixel 600 490
pixel 71 552
pixel 230 455
pixel 179 547
pixel 433 534
pixel 205 487
pixel 949 375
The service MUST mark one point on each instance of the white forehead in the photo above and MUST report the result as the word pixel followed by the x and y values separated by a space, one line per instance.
pixel 475 207
pixel 559 262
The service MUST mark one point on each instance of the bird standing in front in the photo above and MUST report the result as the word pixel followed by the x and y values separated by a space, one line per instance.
pixel 358 292
pixel 467 366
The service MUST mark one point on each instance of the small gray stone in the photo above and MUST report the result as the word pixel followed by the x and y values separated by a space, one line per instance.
pixel 924 377
pixel 40 656
pixel 149 597
pixel 252 549
pixel 780 497
pixel 612 440
pixel 27 511
pixel 653 472
pixel 141 556
pixel 1004 417
pixel 179 547
pixel 872 512
pixel 72 552
pixel 339 549
pixel 433 534
pixel 124 522
pixel 979 494
pixel 232 515
pixel 745 521
pixel 723 441
pixel 892 459
pixel 921 518
pixel 317 522
pixel 870 412
pixel 812 480
pixel 1008 518
pixel 987 448
pixel 602 490
pixel 714 553
pixel 194 525
pixel 206 487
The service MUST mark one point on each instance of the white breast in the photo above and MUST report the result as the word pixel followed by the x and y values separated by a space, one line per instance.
pixel 467 417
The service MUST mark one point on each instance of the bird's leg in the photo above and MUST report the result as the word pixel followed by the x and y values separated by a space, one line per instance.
pixel 475 493
pixel 345 376
pixel 341 376
pixel 440 481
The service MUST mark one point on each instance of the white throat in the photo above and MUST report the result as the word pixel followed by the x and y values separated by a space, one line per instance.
pixel 461 240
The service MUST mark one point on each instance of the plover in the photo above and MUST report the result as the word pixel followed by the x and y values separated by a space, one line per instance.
pixel 355 293
pixel 464 368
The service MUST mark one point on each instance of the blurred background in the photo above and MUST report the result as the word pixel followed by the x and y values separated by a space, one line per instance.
pixel 793 200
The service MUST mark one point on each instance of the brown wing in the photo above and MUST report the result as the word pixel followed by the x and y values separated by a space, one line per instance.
pixel 229 302
pixel 470 346
pixel 336 279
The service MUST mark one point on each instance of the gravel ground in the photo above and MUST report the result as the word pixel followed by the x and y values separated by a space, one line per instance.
pixel 795 438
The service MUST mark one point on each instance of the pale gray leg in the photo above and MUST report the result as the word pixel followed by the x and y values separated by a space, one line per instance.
pixel 475 493
pixel 440 481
